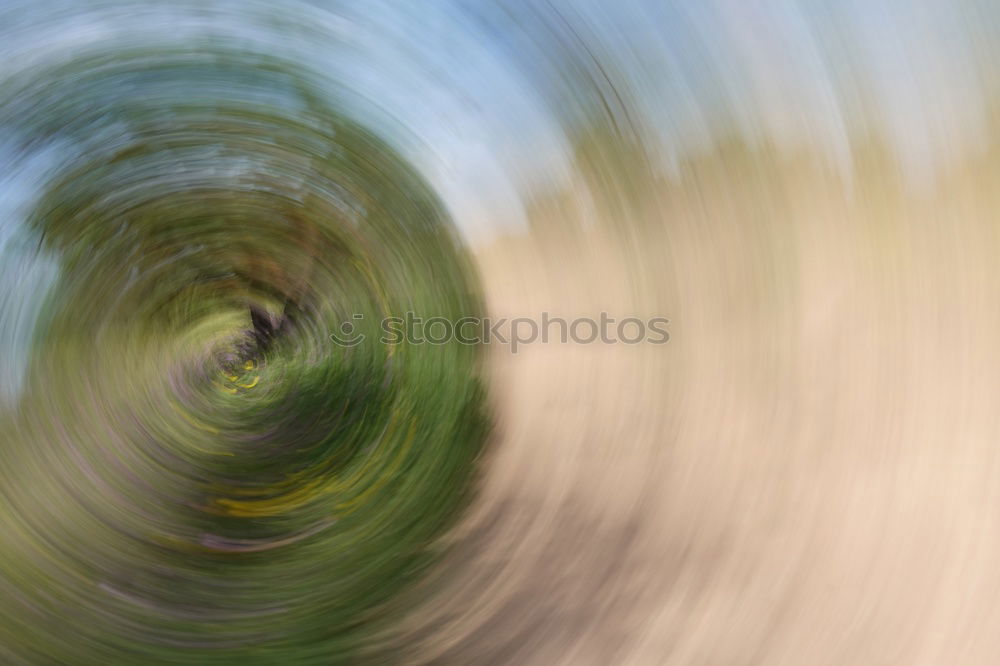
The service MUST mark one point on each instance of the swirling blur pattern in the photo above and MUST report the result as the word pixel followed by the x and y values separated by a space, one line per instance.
pixel 210 455
pixel 211 494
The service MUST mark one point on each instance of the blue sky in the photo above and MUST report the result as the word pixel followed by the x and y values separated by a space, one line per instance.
pixel 456 87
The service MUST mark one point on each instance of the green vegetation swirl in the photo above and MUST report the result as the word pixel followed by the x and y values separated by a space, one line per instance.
pixel 196 472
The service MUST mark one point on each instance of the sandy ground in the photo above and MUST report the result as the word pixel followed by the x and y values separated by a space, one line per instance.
pixel 807 473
